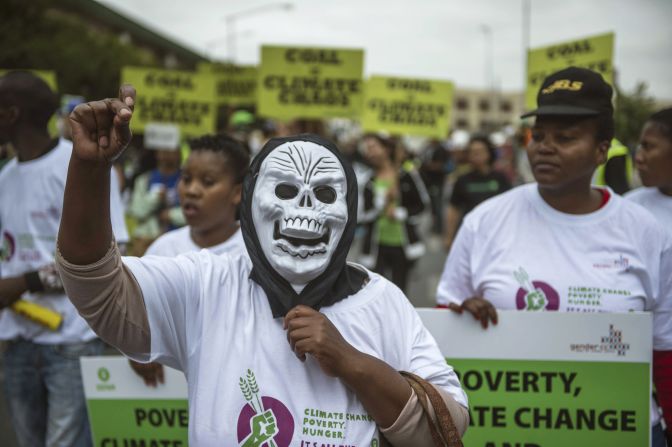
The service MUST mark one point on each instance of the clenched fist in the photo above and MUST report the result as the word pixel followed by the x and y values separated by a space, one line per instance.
pixel 101 129
pixel 311 332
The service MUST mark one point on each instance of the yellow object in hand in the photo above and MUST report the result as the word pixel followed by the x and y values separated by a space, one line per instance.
pixel 39 314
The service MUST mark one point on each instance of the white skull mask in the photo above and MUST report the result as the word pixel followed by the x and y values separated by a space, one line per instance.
pixel 299 210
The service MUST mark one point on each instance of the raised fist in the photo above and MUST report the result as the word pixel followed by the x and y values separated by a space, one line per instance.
pixel 101 129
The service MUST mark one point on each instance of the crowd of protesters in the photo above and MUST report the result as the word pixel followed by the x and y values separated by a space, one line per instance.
pixel 458 193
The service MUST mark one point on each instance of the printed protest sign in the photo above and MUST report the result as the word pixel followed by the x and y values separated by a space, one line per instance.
pixel 537 379
pixel 548 379
pixel 123 411
pixel 235 85
pixel 595 53
pixel 407 106
pixel 170 96
pixel 299 82
pixel 162 136
pixel 47 76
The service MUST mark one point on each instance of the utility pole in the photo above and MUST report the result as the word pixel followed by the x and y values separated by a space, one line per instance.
pixel 230 20
pixel 526 44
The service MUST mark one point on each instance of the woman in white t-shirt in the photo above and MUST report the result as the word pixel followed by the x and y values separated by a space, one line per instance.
pixel 209 189
pixel 288 345
pixel 654 165
pixel 538 247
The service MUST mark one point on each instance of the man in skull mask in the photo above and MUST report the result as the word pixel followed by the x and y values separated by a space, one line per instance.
pixel 223 320
pixel 295 219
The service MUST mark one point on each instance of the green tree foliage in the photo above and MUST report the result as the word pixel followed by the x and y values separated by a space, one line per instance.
pixel 87 60
pixel 631 112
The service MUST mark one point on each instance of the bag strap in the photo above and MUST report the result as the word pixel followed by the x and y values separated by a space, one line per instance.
pixel 446 434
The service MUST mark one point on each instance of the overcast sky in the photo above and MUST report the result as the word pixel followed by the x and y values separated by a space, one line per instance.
pixel 438 39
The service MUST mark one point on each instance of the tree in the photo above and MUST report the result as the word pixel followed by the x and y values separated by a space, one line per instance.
pixel 631 112
pixel 86 61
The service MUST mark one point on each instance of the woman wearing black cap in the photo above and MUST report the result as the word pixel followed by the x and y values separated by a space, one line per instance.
pixel 291 346
pixel 538 246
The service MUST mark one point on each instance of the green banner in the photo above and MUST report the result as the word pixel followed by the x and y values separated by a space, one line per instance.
pixel 534 403
pixel 235 85
pixel 407 106
pixel 170 96
pixel 595 53
pixel 148 423
pixel 299 82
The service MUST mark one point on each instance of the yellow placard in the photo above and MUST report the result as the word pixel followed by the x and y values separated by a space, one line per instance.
pixel 48 76
pixel 235 85
pixel 405 106
pixel 595 53
pixel 183 98
pixel 300 82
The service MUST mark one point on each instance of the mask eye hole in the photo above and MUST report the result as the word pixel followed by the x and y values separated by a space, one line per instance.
pixel 285 191
pixel 325 194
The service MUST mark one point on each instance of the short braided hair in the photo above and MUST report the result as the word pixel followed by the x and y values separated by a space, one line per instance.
pixel 664 120
pixel 236 153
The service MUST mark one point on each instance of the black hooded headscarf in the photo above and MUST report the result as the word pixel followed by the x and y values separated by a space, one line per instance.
pixel 339 280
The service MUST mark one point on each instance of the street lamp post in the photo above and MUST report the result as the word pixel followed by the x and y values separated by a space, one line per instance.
pixel 231 19
pixel 210 45
pixel 230 38
pixel 489 63
pixel 490 74
pixel 527 10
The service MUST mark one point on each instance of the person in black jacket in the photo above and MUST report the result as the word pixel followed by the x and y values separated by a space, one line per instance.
pixel 394 198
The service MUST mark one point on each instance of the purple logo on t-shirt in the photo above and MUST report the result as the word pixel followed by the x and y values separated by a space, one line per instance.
pixel 535 295
pixel 7 246
pixel 543 297
pixel 263 421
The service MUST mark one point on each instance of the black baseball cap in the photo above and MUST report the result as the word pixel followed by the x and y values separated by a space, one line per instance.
pixel 573 91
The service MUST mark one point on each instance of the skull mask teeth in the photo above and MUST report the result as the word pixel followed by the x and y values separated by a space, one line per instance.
pixel 302 224
pixel 300 209
pixel 309 232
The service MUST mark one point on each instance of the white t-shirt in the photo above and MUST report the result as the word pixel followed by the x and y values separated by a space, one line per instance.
pixel 31 204
pixel 179 241
pixel 518 252
pixel 208 319
pixel 658 204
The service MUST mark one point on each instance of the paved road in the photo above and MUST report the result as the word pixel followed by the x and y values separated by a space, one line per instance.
pixel 425 275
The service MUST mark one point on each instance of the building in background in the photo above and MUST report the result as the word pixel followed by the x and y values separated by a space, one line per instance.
pixel 101 18
pixel 486 111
